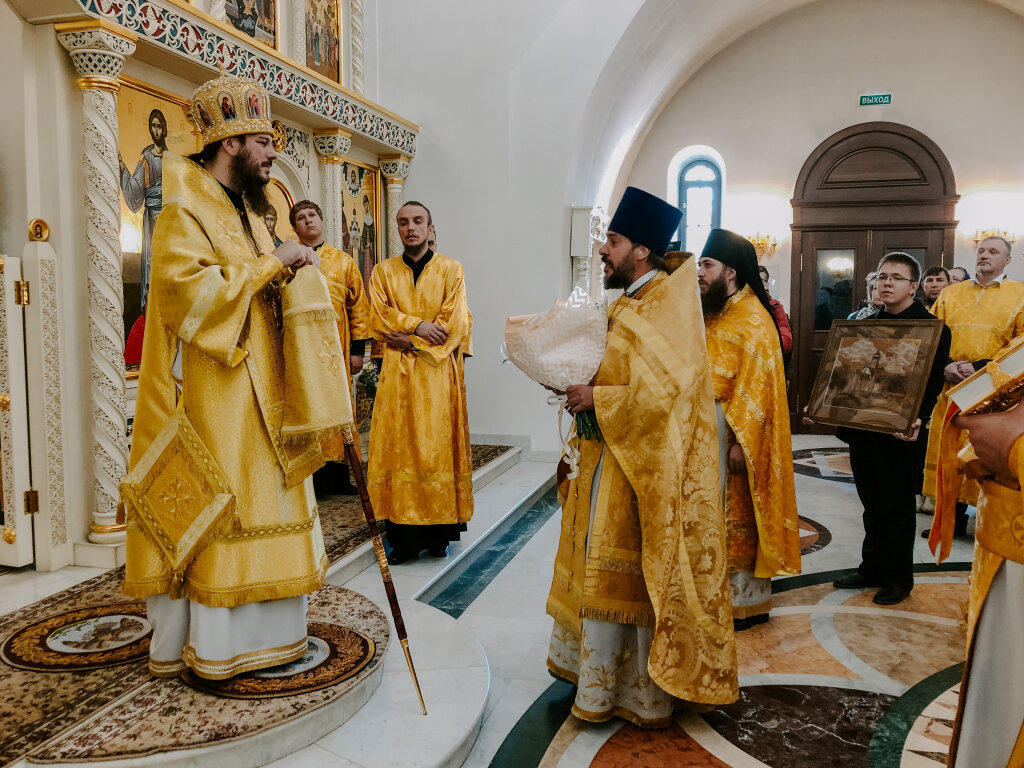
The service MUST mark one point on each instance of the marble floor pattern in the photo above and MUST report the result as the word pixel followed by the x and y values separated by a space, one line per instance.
pixel 831 674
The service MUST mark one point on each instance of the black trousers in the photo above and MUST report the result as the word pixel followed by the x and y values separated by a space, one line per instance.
pixel 886 473
pixel 413 539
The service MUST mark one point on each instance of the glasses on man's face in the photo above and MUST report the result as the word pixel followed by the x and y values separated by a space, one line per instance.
pixel 884 278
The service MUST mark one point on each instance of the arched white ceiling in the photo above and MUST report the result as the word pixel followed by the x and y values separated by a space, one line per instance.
pixel 666 43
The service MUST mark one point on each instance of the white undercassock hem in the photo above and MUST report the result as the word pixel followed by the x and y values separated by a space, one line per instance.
pixel 221 642
pixel 994 708
pixel 610 663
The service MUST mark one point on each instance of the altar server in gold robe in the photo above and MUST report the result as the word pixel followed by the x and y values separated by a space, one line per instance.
pixel 420 471
pixel 353 316
pixel 640 595
pixel 989 727
pixel 984 314
pixel 750 393
pixel 223 540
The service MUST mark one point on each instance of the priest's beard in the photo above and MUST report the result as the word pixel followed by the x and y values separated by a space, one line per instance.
pixel 713 300
pixel 245 173
pixel 621 276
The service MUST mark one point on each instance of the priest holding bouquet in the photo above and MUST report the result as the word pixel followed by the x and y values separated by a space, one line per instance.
pixel 640 595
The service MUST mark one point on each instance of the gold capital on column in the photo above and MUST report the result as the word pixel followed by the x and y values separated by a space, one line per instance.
pixel 98 50
pixel 394 168
pixel 332 146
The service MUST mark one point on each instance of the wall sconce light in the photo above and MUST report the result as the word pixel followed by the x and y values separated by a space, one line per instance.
pixel 764 245
pixel 981 234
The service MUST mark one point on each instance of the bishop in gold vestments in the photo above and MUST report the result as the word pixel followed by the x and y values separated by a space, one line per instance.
pixel 640 594
pixel 750 388
pixel 983 319
pixel 213 361
pixel 420 470
pixel 989 728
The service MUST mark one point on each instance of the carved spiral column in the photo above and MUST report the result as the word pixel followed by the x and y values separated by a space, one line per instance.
pixel 98 50
pixel 332 148
pixel 394 169
pixel 355 26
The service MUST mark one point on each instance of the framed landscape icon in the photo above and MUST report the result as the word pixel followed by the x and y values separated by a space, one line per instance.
pixel 873 374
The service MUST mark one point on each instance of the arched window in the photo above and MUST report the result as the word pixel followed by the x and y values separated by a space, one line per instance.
pixel 700 199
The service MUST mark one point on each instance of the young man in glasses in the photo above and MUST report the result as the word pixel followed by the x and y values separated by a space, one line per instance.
pixel 886 468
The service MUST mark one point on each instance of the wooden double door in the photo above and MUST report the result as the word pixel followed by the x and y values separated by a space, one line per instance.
pixel 864 192
pixel 833 283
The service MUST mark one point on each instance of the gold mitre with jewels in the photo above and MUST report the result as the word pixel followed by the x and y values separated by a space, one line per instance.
pixel 230 106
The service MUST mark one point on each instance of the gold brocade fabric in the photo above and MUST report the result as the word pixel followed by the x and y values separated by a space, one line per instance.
pixel 982 321
pixel 212 294
pixel 319 403
pixel 353 314
pixel 999 536
pixel 746 367
pixel 420 471
pixel 656 552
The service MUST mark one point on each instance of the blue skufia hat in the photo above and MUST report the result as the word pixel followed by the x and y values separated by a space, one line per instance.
pixel 646 219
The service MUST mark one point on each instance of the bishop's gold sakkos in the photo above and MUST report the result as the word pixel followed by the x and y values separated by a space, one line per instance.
pixel 268 545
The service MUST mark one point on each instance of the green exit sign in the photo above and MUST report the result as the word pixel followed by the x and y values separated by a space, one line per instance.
pixel 874 99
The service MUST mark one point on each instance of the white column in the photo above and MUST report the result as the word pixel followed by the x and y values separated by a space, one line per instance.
pixel 332 148
pixel 356 57
pixel 98 50
pixel 394 168
pixel 298 35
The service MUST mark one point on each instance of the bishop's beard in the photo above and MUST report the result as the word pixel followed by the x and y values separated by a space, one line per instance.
pixel 248 181
pixel 713 300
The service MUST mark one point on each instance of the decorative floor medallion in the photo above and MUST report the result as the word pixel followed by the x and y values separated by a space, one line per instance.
pixel 91 637
pixel 333 654
pixel 825 463
pixel 813 535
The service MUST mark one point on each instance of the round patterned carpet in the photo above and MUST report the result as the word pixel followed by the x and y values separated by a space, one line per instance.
pixel 91 637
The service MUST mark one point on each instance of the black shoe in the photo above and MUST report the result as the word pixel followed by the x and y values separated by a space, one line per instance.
pixel 397 558
pixel 852 581
pixel 438 551
pixel 957 531
pixel 738 625
pixel 346 488
pixel 891 595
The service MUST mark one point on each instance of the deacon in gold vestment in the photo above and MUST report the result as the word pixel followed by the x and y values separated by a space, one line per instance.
pixel 750 388
pixel 420 471
pixel 640 594
pixel 353 315
pixel 989 728
pixel 226 585
pixel 984 314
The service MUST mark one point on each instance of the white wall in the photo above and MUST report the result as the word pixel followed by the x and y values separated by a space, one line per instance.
pixel 499 91
pixel 771 97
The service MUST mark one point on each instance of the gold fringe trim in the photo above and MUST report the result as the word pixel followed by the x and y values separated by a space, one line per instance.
pixel 618 565
pixel 303 585
pixel 306 434
pixel 640 618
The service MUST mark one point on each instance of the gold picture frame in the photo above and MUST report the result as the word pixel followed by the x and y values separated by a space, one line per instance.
pixel 873 374
pixel 319 56
pixel 237 12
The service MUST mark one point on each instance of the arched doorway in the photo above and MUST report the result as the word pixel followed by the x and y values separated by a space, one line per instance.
pixel 866 190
